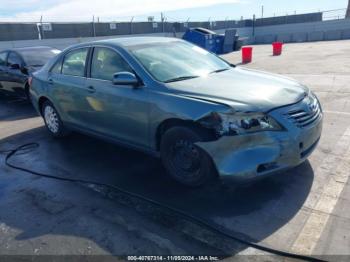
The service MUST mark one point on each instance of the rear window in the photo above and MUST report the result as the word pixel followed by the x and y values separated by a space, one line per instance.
pixel 38 57
pixel 3 58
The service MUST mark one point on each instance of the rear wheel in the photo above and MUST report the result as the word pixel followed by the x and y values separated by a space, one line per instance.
pixel 53 121
pixel 27 92
pixel 184 161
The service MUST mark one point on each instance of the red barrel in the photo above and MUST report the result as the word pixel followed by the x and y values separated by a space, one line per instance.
pixel 277 48
pixel 247 54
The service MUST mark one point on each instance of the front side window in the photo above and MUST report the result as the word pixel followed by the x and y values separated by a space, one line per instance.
pixel 14 59
pixel 176 60
pixel 106 62
pixel 3 58
pixel 74 63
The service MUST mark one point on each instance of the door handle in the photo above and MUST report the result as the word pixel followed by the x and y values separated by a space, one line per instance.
pixel 91 89
pixel 50 80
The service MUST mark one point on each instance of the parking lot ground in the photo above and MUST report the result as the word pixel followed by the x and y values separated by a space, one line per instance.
pixel 304 210
pixel 321 225
pixel 47 217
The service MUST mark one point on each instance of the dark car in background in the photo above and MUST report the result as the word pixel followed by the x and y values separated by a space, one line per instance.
pixel 17 65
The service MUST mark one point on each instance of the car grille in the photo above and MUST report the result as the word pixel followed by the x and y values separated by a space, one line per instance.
pixel 307 115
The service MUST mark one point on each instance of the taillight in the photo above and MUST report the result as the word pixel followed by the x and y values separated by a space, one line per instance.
pixel 30 80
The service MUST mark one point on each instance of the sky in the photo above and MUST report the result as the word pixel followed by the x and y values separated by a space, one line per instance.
pixel 174 10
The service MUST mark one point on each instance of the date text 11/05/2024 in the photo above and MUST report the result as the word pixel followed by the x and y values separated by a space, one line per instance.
pixel 173 258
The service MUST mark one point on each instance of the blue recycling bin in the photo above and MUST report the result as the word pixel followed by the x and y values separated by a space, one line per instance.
pixel 206 39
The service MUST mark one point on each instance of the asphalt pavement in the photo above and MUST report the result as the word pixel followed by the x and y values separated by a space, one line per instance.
pixel 304 210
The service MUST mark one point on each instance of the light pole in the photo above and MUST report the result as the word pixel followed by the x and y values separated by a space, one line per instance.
pixel 132 19
pixel 41 33
pixel 162 18
pixel 93 26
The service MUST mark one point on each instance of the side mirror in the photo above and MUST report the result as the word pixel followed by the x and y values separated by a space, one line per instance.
pixel 15 66
pixel 125 78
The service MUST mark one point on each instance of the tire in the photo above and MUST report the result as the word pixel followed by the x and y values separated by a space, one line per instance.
pixel 27 93
pixel 53 121
pixel 185 162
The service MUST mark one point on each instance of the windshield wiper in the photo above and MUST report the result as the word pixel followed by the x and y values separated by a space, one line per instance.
pixel 180 78
pixel 219 70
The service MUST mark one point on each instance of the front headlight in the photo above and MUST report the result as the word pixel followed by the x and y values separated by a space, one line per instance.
pixel 314 99
pixel 241 123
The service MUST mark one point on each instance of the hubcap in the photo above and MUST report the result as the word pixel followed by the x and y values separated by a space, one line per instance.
pixel 51 119
pixel 186 158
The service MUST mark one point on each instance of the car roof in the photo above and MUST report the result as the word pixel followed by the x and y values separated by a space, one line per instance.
pixel 125 42
pixel 30 48
pixel 34 48
pixel 139 40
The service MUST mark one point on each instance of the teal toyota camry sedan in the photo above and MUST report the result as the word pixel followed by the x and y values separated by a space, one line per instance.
pixel 204 117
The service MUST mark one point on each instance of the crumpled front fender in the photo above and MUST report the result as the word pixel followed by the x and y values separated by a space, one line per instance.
pixel 248 156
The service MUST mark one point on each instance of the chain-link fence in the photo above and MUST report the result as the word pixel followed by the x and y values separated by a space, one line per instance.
pixel 335 14
pixel 47 30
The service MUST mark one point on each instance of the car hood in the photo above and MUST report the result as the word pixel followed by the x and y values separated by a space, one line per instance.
pixel 243 89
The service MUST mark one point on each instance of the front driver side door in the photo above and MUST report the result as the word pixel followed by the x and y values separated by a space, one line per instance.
pixel 118 111
pixel 3 70
pixel 16 78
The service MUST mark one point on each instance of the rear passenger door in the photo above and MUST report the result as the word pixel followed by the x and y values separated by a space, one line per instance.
pixel 67 81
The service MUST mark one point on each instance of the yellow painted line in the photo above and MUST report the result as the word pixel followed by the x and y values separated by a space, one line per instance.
pixel 338 173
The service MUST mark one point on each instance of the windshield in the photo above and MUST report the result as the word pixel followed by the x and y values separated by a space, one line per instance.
pixel 177 61
pixel 38 57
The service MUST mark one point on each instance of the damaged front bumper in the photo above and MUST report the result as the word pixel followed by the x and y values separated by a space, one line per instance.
pixel 252 156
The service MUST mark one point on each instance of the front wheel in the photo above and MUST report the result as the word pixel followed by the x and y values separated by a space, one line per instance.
pixel 53 121
pixel 184 161
pixel 27 93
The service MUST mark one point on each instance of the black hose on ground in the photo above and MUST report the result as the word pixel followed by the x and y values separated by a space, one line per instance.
pixel 199 221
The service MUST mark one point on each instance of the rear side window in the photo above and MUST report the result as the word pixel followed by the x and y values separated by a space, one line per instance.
pixel 106 62
pixel 57 68
pixel 74 62
pixel 14 59
pixel 3 58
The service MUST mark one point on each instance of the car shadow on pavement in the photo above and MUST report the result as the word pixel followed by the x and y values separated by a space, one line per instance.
pixel 254 211
pixel 14 108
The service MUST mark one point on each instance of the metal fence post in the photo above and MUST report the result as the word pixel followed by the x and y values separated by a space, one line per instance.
pixel 254 25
